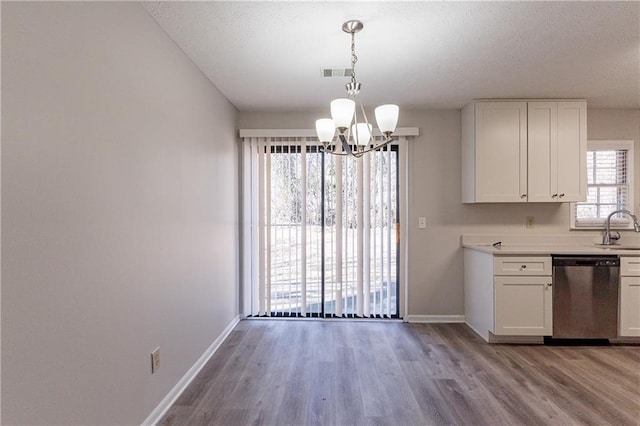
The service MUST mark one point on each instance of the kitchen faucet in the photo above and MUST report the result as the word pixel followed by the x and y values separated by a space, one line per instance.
pixel 607 238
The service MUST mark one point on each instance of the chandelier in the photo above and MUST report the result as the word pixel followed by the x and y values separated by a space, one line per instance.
pixel 354 131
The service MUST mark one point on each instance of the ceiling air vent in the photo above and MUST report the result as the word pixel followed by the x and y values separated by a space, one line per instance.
pixel 337 72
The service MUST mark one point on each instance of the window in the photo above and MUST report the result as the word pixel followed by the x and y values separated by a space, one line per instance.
pixel 609 185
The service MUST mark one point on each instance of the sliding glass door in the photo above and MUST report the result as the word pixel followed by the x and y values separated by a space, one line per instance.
pixel 327 231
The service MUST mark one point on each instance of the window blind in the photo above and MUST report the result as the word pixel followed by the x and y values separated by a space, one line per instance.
pixel 324 230
pixel 608 188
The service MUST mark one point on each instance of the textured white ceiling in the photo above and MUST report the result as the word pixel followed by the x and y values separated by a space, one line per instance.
pixel 269 55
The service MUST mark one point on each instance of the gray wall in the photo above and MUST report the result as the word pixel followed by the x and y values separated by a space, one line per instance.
pixel 119 213
pixel 435 257
pixel 618 124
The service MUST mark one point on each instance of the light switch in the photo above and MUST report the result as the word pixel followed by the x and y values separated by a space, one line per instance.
pixel 422 222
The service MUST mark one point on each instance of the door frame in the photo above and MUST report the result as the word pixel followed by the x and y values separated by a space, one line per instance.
pixel 248 223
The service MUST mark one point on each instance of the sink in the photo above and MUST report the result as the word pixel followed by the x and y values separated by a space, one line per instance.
pixel 617 247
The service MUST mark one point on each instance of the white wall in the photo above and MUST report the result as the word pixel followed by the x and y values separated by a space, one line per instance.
pixel 435 256
pixel 119 213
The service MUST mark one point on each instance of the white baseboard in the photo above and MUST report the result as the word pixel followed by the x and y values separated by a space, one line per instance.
pixel 173 395
pixel 434 318
pixel 518 340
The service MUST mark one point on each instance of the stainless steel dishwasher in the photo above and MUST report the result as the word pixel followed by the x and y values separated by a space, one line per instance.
pixel 585 297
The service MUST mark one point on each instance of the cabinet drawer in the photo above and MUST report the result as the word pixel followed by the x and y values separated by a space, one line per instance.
pixel 530 265
pixel 630 266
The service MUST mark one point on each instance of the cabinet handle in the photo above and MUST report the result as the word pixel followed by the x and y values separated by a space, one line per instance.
pixel 549 284
pixel 561 195
pixel 523 266
pixel 523 196
pixel 554 195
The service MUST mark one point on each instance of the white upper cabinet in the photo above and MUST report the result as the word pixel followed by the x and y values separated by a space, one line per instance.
pixel 519 151
pixel 542 132
pixel 557 146
pixel 572 151
pixel 494 152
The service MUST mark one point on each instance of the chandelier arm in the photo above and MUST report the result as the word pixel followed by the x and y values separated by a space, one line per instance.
pixel 352 134
pixel 345 144
pixel 364 116
pixel 344 139
pixel 375 147
pixel 342 154
pixel 358 154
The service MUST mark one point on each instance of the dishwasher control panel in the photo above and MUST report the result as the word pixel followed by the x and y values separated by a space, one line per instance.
pixel 615 262
pixel 586 260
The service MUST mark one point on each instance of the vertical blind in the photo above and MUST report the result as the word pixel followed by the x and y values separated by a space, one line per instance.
pixel 324 229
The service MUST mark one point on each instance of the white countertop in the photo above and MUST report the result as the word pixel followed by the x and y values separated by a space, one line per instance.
pixel 550 244
pixel 546 249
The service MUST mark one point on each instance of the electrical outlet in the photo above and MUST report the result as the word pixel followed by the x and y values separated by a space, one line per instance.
pixel 155 360
pixel 422 222
pixel 530 222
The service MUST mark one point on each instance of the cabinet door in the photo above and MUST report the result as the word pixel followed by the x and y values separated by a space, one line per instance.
pixel 542 147
pixel 629 306
pixel 523 306
pixel 501 151
pixel 572 151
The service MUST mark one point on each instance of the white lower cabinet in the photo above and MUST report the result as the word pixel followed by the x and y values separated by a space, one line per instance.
pixel 507 295
pixel 523 306
pixel 510 296
pixel 629 319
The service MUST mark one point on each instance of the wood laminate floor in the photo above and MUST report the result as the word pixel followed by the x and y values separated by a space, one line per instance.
pixel 275 372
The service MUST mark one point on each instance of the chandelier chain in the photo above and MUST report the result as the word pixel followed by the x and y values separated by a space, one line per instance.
pixel 354 57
